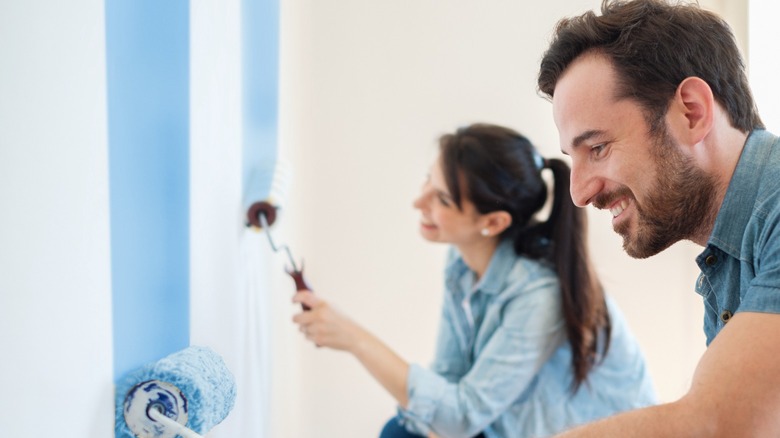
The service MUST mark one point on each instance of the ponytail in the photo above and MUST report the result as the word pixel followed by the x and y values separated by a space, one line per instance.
pixel 584 306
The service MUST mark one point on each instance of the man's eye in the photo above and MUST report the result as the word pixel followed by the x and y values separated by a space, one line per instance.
pixel 443 200
pixel 598 149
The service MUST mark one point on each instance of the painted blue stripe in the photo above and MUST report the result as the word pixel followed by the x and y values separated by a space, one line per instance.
pixel 147 56
pixel 260 55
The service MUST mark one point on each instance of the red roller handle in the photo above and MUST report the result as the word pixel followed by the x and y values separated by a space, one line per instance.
pixel 300 283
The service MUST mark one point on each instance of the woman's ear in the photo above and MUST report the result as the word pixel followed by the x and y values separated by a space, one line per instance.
pixel 690 115
pixel 496 222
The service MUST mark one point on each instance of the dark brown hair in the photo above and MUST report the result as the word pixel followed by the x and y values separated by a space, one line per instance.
pixel 654 46
pixel 497 169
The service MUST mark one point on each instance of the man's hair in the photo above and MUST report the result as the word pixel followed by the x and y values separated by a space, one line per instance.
pixel 654 46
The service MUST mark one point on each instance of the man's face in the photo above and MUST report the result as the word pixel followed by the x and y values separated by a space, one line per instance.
pixel 654 193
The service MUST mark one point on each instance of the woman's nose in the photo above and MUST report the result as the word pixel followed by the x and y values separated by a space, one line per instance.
pixel 418 202
pixel 422 199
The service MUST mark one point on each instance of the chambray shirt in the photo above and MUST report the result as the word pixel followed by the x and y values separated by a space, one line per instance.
pixel 740 266
pixel 503 364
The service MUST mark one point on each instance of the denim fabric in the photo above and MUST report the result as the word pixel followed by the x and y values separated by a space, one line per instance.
pixel 740 266
pixel 503 365
pixel 393 429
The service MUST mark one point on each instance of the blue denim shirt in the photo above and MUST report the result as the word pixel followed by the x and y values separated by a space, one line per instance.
pixel 740 266
pixel 503 364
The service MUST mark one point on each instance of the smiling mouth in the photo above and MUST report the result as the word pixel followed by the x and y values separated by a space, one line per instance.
pixel 618 208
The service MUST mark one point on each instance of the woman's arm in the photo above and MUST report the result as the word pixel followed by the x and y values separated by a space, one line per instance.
pixel 326 327
pixel 507 362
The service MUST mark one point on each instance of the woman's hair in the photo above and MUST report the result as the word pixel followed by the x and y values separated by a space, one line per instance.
pixel 653 46
pixel 497 169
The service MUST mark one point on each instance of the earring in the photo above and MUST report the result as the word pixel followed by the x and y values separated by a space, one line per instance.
pixel 485 232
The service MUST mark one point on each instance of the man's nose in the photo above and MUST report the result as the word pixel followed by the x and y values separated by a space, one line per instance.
pixel 584 185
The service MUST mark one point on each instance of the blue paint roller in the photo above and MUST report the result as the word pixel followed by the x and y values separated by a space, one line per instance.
pixel 184 394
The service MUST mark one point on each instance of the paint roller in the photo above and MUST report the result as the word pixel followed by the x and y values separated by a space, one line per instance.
pixel 184 395
pixel 264 199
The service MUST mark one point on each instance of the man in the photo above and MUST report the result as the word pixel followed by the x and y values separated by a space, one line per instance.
pixel 652 104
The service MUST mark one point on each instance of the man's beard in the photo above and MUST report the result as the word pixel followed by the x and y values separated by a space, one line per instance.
pixel 676 207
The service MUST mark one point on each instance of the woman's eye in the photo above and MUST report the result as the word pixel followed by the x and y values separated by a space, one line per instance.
pixel 444 201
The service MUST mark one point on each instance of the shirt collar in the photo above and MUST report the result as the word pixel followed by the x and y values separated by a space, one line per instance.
pixel 501 263
pixel 741 195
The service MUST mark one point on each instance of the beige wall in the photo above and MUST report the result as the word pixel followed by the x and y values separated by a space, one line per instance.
pixel 366 89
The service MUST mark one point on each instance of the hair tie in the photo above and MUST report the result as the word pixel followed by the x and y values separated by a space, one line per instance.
pixel 540 161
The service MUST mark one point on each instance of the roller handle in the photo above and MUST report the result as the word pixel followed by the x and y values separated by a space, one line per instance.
pixel 300 283
pixel 262 215
pixel 180 429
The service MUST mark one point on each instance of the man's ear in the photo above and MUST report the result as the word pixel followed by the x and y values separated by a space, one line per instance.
pixel 691 112
pixel 497 221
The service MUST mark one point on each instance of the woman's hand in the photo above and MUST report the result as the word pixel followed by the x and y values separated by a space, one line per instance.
pixel 325 326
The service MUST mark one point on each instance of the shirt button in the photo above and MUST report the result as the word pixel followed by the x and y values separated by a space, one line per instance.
pixel 711 260
pixel 725 316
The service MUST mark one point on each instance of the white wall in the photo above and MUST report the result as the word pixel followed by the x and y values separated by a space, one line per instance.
pixel 230 266
pixel 55 291
pixel 764 64
pixel 366 89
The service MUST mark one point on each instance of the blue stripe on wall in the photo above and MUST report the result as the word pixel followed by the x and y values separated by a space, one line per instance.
pixel 260 55
pixel 147 56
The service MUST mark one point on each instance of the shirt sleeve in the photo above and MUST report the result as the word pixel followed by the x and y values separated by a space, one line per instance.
pixel 763 292
pixel 529 322
pixel 446 361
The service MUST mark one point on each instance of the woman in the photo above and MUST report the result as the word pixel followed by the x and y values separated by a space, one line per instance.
pixel 528 344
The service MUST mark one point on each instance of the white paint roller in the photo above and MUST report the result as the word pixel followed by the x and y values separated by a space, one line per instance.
pixel 270 195
pixel 266 193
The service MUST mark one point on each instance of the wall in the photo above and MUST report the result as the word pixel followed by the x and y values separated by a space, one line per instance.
pixel 55 291
pixel 56 319
pixel 233 114
pixel 763 34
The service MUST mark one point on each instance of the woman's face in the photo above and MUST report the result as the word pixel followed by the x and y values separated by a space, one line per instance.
pixel 441 220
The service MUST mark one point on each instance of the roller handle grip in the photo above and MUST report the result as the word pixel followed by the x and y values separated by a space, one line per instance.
pixel 300 284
